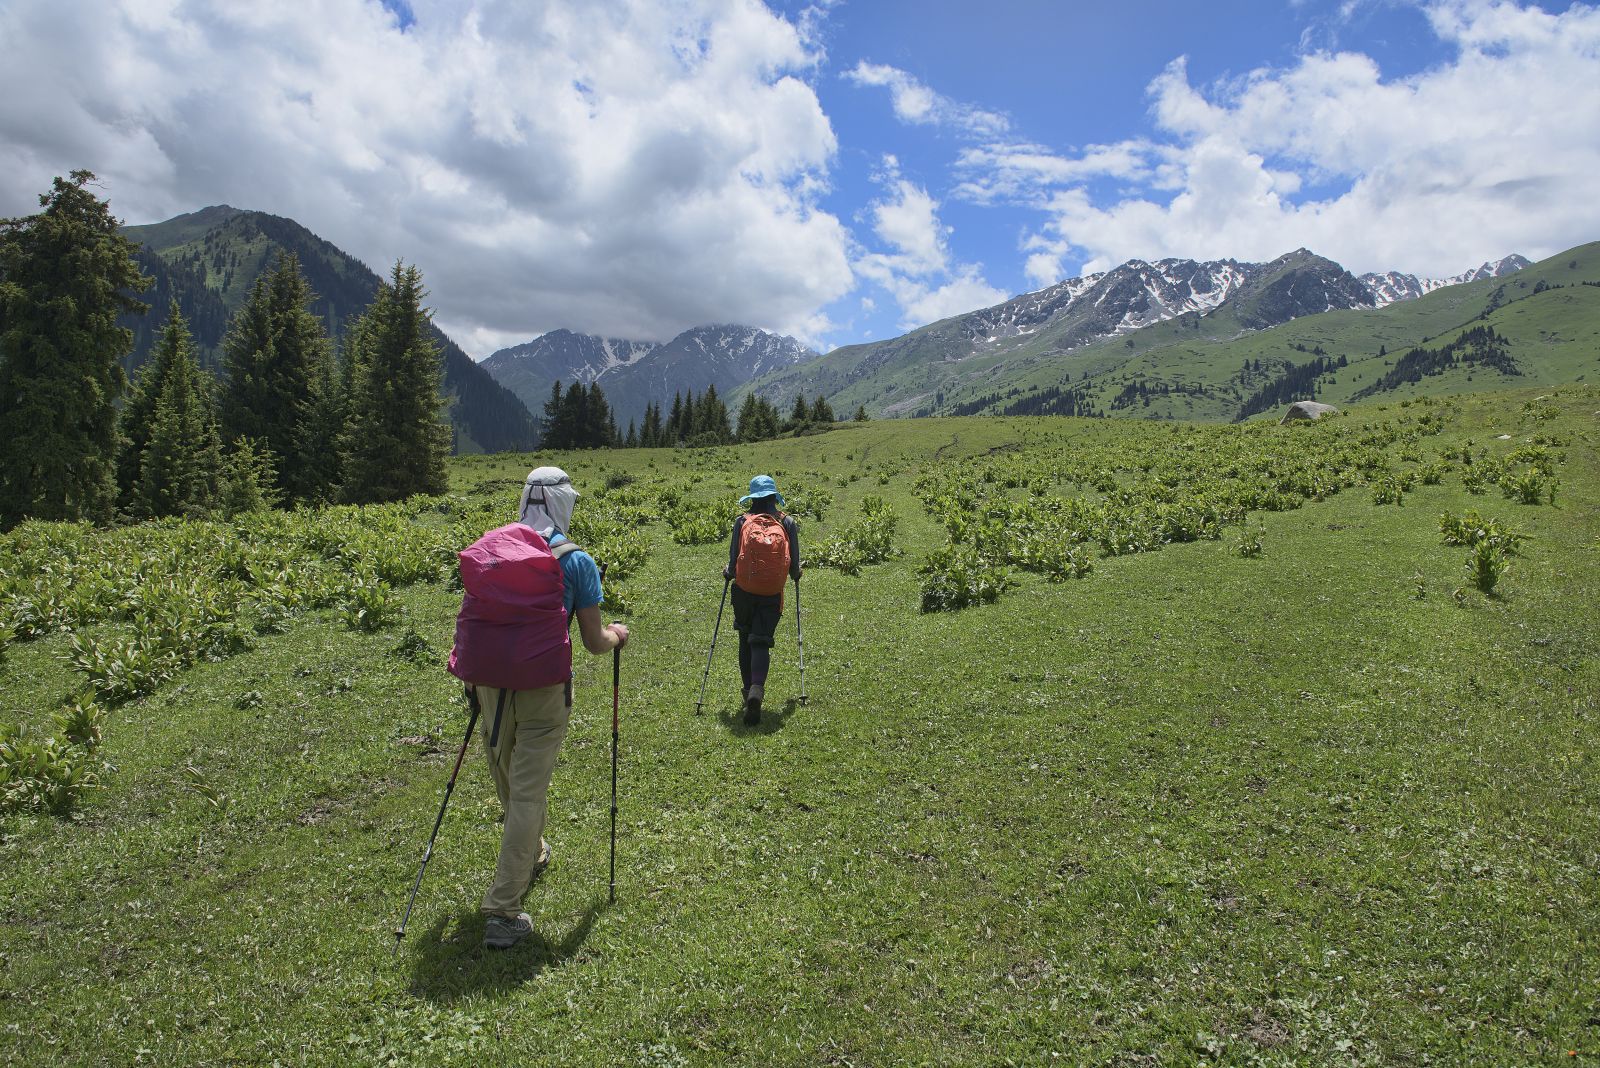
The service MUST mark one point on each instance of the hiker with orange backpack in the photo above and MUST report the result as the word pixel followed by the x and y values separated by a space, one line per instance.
pixel 763 554
pixel 523 584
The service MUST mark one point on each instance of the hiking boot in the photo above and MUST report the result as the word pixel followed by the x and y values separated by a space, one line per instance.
pixel 752 704
pixel 503 932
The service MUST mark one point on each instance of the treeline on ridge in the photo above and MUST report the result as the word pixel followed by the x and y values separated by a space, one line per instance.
pixel 1297 382
pixel 580 418
pixel 1479 346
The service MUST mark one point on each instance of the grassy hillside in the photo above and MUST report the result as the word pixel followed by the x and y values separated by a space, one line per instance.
pixel 1192 367
pixel 1554 335
pixel 1272 781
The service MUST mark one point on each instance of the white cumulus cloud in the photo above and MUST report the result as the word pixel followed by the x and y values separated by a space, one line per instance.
pixel 1491 152
pixel 917 270
pixel 916 103
pixel 621 167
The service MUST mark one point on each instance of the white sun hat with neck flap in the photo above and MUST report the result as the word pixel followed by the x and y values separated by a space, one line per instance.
pixel 547 500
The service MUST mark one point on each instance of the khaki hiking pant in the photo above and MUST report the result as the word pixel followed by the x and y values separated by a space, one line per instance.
pixel 531 729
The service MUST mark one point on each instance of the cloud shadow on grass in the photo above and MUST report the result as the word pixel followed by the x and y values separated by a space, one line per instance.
pixel 451 961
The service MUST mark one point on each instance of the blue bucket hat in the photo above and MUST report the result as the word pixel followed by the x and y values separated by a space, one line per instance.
pixel 763 486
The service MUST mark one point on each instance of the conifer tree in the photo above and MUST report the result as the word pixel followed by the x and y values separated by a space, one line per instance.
pixel 323 439
pixel 551 421
pixel 821 411
pixel 180 467
pixel 632 440
pixel 800 414
pixel 249 484
pixel 745 428
pixel 710 419
pixel 396 443
pixel 139 412
pixel 650 433
pixel 599 426
pixel 675 428
pixel 277 364
pixel 65 275
pixel 861 413
pixel 574 416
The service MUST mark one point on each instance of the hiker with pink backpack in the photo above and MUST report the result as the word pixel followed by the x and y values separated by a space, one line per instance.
pixel 763 553
pixel 523 584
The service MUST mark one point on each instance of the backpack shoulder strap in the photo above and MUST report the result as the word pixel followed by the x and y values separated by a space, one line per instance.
pixel 558 551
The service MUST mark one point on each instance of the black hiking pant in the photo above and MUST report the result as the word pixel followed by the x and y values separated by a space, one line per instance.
pixel 756 620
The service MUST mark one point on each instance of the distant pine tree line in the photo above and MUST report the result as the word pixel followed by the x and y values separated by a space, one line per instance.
pixel 1141 391
pixel 1479 346
pixel 581 418
pixel 1296 382
pixel 288 420
pixel 1053 400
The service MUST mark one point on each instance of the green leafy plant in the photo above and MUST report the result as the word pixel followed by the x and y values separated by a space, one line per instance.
pixel 1528 486
pixel 48 774
pixel 81 723
pixel 414 648
pixel 1249 544
pixel 1389 489
pixel 959 575
pixel 196 782
pixel 1486 566
pixel 1470 528
pixel 370 603
pixel 701 524
pixel 121 667
pixel 869 540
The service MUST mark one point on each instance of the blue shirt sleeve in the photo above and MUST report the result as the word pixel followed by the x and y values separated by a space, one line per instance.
pixel 582 580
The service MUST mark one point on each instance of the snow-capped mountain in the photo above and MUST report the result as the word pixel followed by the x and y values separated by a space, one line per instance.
pixel 907 374
pixel 1131 296
pixel 635 373
pixel 1392 286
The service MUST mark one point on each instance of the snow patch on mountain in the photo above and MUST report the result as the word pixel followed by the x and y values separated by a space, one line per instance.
pixel 1392 286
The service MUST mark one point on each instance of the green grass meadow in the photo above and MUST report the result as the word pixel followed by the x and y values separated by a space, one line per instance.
pixel 1289 790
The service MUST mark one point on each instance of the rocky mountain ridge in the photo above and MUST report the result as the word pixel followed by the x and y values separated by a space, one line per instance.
pixel 1394 285
pixel 635 373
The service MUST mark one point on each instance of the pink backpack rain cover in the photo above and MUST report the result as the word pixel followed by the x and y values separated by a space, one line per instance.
pixel 511 633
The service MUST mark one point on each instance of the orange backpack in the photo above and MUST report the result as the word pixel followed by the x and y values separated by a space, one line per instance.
pixel 763 565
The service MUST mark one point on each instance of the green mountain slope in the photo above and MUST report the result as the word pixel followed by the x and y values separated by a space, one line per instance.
pixel 208 260
pixel 1548 316
pixel 1209 366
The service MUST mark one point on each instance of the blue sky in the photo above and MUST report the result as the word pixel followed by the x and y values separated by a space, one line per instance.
pixel 838 170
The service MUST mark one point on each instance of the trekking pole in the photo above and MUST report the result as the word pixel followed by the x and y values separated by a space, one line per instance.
pixel 427 854
pixel 800 634
pixel 616 691
pixel 726 582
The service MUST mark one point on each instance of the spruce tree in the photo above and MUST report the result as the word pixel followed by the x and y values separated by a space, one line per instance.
pixel 675 420
pixel 599 426
pixel 173 344
pixel 249 484
pixel 632 440
pixel 277 363
pixel 861 413
pixel 396 442
pixel 572 420
pixel 323 437
pixel 550 425
pixel 745 428
pixel 650 428
pixel 65 275
pixel 180 468
pixel 821 411
pixel 800 415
